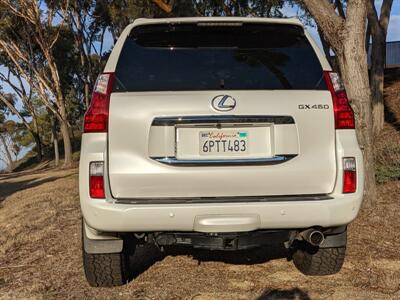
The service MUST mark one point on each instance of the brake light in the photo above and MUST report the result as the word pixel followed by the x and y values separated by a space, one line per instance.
pixel 96 117
pixel 96 180
pixel 349 175
pixel 344 115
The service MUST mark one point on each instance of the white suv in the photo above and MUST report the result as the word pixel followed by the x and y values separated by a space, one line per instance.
pixel 217 133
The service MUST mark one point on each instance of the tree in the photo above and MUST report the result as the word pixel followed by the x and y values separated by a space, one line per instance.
pixel 258 8
pixel 15 82
pixel 378 28
pixel 28 36
pixel 117 14
pixel 85 19
pixel 346 35
pixel 8 142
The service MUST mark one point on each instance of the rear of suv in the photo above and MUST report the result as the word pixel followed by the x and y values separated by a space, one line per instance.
pixel 217 133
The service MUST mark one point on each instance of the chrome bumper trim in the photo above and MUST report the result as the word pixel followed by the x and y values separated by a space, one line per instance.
pixel 171 121
pixel 234 199
pixel 173 161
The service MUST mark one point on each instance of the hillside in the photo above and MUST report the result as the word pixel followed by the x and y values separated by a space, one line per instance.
pixel 40 255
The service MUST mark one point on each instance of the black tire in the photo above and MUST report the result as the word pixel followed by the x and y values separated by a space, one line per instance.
pixel 109 269
pixel 106 270
pixel 316 261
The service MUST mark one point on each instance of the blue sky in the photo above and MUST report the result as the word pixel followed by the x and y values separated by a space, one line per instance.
pixel 393 30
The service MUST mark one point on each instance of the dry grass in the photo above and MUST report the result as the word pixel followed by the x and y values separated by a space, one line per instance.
pixel 387 155
pixel 387 144
pixel 40 255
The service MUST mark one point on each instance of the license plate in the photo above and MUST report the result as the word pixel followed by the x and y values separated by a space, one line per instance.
pixel 223 142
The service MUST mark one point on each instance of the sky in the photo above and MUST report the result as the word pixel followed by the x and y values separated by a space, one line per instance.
pixel 393 31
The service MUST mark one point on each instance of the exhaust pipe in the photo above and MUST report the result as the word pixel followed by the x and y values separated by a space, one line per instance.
pixel 313 236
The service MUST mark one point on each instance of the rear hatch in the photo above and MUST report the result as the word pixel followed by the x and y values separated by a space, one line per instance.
pixel 233 110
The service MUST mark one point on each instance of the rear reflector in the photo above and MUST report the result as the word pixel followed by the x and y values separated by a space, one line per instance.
pixel 96 180
pixel 344 115
pixel 349 175
pixel 96 117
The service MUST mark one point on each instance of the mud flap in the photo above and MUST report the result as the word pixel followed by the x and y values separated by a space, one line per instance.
pixel 94 243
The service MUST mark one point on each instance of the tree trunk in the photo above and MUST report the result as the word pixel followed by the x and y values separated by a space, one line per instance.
pixel 10 165
pixel 38 142
pixel 327 50
pixel 346 36
pixel 36 136
pixel 55 141
pixel 84 60
pixel 378 57
pixel 377 81
pixel 355 76
pixel 67 144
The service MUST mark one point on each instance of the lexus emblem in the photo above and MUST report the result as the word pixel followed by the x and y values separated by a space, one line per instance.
pixel 223 103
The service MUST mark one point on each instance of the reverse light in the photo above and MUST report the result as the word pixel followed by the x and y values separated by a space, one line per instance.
pixel 96 117
pixel 96 180
pixel 349 175
pixel 344 115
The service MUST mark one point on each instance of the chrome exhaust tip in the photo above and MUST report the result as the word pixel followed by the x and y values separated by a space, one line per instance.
pixel 316 238
pixel 313 236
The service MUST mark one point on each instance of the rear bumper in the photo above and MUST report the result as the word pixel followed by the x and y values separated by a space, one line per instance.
pixel 229 215
pixel 219 217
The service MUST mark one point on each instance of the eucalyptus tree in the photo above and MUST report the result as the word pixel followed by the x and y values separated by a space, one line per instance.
pixel 28 37
pixel 9 147
pixel 26 113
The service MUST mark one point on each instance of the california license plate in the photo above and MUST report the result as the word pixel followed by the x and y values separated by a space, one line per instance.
pixel 223 142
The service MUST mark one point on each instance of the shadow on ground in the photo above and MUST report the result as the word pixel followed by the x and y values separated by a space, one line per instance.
pixel 39 169
pixel 148 255
pixel 240 257
pixel 9 188
pixel 295 294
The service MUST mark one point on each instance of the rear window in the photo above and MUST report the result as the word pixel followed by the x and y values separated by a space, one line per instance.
pixel 231 56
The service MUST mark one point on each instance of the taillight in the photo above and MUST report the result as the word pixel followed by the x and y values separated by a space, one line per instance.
pixel 344 115
pixel 349 175
pixel 96 117
pixel 96 180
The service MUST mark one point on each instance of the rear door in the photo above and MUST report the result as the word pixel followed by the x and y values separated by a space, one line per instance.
pixel 220 110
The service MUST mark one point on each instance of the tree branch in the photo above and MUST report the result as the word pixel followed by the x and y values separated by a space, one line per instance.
pixel 372 15
pixel 14 110
pixel 163 5
pixel 327 19
pixel 385 14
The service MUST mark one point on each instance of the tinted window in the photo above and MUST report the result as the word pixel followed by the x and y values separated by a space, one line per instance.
pixel 205 57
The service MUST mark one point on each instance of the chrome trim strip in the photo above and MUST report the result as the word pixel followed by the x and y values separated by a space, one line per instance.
pixel 224 162
pixel 234 199
pixel 171 121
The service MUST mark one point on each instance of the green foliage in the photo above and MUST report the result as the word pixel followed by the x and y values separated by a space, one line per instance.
pixel 387 157
pixel 386 173
pixel 260 8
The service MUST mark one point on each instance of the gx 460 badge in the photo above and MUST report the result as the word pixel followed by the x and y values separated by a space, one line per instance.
pixel 315 106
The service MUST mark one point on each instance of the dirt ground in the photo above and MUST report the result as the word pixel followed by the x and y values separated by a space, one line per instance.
pixel 40 254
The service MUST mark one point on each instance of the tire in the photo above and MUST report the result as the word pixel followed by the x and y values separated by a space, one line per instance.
pixel 316 261
pixel 109 269
pixel 106 270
